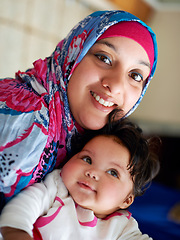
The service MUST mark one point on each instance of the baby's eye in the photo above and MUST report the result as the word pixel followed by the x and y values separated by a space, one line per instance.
pixel 113 172
pixel 87 159
pixel 136 76
pixel 104 58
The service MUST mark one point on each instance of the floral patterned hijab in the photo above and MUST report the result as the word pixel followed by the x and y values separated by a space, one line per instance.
pixel 70 51
pixel 85 34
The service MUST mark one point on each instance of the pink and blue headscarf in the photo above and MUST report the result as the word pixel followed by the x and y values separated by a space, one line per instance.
pixel 36 121
pixel 97 25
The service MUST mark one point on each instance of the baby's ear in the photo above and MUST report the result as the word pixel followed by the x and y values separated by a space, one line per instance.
pixel 127 202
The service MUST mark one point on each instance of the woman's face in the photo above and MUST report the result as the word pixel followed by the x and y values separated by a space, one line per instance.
pixel 110 76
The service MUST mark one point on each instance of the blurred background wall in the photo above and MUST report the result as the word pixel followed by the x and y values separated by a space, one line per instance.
pixel 30 29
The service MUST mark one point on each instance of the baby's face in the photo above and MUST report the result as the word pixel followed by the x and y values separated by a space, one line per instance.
pixel 111 75
pixel 97 177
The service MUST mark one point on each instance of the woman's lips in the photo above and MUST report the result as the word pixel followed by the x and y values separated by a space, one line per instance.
pixel 100 104
pixel 102 101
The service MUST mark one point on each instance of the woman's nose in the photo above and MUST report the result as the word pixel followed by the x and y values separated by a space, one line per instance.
pixel 92 174
pixel 114 83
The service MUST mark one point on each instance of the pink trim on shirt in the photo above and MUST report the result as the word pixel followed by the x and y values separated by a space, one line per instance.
pixel 91 223
pixel 87 224
pixel 118 214
pixel 36 234
pixel 42 221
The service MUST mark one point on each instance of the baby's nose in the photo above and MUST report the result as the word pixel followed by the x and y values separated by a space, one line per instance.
pixel 92 174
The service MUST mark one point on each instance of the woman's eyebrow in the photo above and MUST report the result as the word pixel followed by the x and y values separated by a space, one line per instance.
pixel 145 64
pixel 107 44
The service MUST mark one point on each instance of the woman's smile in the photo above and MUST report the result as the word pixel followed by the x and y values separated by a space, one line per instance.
pixel 101 100
pixel 101 104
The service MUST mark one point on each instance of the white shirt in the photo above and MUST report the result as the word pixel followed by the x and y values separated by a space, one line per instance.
pixel 62 218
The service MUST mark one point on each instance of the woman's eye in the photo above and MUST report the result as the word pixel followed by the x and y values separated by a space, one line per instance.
pixel 103 58
pixel 87 159
pixel 113 172
pixel 136 76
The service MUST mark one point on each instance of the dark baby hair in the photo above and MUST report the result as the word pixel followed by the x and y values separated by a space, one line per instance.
pixel 144 164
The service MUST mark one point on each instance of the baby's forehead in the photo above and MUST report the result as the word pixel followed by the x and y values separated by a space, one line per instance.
pixel 115 138
pixel 100 140
pixel 101 137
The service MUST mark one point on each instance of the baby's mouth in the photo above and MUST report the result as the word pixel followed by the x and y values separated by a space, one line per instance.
pixel 87 186
pixel 101 100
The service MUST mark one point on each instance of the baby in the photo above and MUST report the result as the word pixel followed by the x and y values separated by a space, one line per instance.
pixel 88 198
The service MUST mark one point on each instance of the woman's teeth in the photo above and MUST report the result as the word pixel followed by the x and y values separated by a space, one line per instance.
pixel 102 101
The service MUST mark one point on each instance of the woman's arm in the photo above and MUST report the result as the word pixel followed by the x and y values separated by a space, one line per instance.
pixel 23 210
pixel 9 233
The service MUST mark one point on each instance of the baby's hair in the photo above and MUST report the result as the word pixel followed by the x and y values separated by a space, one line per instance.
pixel 144 163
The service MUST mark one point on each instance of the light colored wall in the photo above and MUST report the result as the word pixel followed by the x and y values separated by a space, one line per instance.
pixel 160 109
pixel 30 29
